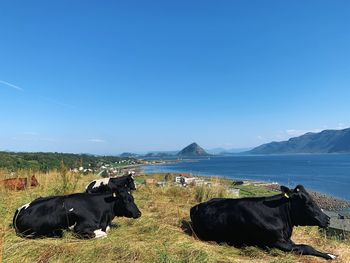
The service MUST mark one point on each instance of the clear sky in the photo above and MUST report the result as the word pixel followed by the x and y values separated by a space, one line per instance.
pixel 106 77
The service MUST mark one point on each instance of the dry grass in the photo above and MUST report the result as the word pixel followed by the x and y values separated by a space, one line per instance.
pixel 160 235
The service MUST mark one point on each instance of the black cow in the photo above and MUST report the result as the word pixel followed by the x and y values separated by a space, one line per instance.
pixel 88 215
pixel 110 184
pixel 262 221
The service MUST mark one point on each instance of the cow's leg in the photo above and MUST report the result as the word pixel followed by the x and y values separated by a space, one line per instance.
pixel 105 223
pixel 56 233
pixel 302 249
pixel 100 234
pixel 88 231
pixel 84 230
pixel 308 250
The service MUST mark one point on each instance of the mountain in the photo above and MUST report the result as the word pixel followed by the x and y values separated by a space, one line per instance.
pixel 127 154
pixel 234 151
pixel 327 141
pixel 159 154
pixel 193 150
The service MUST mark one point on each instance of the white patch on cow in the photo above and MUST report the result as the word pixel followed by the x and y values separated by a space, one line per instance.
pixel 99 182
pixel 23 206
pixel 107 229
pixel 72 226
pixel 332 256
pixel 100 234
pixel 70 210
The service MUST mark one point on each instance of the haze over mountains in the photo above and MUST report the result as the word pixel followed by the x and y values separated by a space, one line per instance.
pixel 327 141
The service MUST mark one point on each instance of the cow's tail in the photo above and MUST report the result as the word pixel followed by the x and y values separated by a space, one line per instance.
pixel 193 223
pixel 15 219
pixel 193 212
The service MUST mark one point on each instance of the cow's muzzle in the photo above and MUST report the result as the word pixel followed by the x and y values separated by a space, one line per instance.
pixel 325 222
pixel 137 215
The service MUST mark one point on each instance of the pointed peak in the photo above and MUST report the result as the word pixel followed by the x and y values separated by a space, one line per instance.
pixel 193 150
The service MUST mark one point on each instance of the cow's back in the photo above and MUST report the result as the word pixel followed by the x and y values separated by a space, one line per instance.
pixel 237 221
pixel 15 183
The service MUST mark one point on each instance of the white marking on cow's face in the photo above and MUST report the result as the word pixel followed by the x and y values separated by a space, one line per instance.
pixel 332 256
pixel 23 206
pixel 70 210
pixel 100 234
pixel 72 226
pixel 107 229
pixel 99 182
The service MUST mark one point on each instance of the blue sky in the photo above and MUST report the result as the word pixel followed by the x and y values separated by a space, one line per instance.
pixel 114 76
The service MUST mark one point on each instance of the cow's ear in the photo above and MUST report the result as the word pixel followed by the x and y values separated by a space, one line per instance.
pixel 299 188
pixel 285 191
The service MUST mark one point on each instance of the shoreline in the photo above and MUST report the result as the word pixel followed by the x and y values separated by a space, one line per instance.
pixel 324 201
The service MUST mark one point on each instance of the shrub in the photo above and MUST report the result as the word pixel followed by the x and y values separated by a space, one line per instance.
pixel 203 193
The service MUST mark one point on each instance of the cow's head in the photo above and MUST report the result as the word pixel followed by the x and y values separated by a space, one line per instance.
pixel 124 204
pixel 305 212
pixel 124 181
pixel 33 181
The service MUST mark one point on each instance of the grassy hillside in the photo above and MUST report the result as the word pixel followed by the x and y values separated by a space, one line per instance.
pixel 327 141
pixel 40 161
pixel 160 235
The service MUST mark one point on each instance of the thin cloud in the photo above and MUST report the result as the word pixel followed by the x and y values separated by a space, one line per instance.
pixel 38 96
pixel 96 140
pixel 10 85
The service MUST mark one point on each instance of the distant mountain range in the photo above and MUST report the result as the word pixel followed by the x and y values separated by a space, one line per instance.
pixel 224 151
pixel 191 150
pixel 327 141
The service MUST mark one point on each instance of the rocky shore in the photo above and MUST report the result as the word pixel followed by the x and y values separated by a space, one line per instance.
pixel 329 202
pixel 326 202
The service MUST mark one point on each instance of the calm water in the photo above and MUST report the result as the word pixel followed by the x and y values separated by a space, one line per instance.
pixel 326 173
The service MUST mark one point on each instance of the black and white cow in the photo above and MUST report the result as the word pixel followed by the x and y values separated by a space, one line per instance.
pixel 111 184
pixel 88 215
pixel 262 221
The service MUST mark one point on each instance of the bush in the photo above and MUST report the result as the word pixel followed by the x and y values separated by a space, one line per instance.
pixel 204 193
pixel 68 181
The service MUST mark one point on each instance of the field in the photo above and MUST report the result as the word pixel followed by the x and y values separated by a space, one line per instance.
pixel 162 234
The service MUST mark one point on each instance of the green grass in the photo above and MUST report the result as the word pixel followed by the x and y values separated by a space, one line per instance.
pixel 160 235
pixel 252 190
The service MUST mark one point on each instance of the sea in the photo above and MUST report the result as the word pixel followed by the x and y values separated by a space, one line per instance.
pixel 325 173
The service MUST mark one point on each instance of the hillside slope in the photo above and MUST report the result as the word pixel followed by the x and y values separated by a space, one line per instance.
pixel 193 150
pixel 327 141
